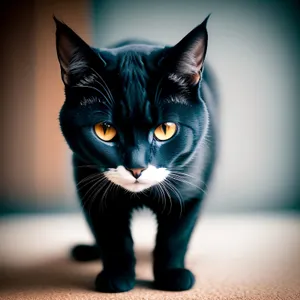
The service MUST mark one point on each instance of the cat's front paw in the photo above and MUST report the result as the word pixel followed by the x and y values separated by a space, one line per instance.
pixel 174 280
pixel 114 283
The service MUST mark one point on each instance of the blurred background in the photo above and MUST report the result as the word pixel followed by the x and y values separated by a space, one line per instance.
pixel 247 243
pixel 253 47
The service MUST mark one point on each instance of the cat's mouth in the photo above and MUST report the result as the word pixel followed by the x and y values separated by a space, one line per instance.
pixel 136 186
pixel 151 176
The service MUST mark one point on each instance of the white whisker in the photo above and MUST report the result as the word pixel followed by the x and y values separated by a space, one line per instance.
pixel 96 192
pixel 161 193
pixel 177 193
pixel 188 175
pixel 91 190
pixel 177 178
pixel 82 183
pixel 92 88
pixel 106 86
pixel 168 194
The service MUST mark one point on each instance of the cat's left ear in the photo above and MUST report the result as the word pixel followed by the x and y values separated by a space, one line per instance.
pixel 187 57
pixel 74 55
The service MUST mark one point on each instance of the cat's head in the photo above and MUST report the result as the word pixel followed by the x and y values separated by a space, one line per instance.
pixel 135 111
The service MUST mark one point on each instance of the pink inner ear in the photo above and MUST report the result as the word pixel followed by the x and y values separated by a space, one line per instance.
pixel 65 50
pixel 195 78
pixel 189 54
pixel 190 61
pixel 65 78
pixel 198 53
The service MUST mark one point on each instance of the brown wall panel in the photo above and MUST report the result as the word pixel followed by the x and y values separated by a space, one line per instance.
pixel 17 100
pixel 33 151
pixel 51 150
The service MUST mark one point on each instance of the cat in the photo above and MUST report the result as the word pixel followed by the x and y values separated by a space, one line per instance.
pixel 141 122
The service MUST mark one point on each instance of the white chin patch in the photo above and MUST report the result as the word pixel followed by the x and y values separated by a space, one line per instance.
pixel 149 177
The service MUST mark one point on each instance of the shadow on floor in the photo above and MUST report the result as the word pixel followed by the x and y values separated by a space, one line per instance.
pixel 61 272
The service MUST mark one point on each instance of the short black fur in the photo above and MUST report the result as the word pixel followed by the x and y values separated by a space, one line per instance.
pixel 137 86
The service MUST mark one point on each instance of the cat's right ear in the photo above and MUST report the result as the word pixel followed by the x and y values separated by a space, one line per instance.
pixel 186 59
pixel 74 55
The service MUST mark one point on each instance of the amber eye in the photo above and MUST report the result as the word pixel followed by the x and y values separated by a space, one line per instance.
pixel 165 131
pixel 105 131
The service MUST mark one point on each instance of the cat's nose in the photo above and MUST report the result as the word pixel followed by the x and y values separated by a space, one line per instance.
pixel 136 172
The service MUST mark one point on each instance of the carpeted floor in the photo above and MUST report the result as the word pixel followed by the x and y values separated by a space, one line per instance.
pixel 233 257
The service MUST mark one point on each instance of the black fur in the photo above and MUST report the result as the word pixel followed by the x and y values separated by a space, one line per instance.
pixel 148 85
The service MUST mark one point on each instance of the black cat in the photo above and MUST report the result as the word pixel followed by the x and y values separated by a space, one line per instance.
pixel 140 120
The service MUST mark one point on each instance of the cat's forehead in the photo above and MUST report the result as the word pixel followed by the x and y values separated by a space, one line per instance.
pixel 131 56
pixel 134 77
pixel 133 74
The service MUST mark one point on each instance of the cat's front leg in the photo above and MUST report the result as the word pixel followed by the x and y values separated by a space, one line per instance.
pixel 113 236
pixel 173 235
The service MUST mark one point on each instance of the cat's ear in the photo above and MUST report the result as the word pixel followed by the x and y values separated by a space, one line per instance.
pixel 74 55
pixel 187 57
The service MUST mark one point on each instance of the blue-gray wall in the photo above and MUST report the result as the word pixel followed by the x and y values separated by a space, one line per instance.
pixel 254 48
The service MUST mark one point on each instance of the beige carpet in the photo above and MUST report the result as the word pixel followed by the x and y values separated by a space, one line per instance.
pixel 233 257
